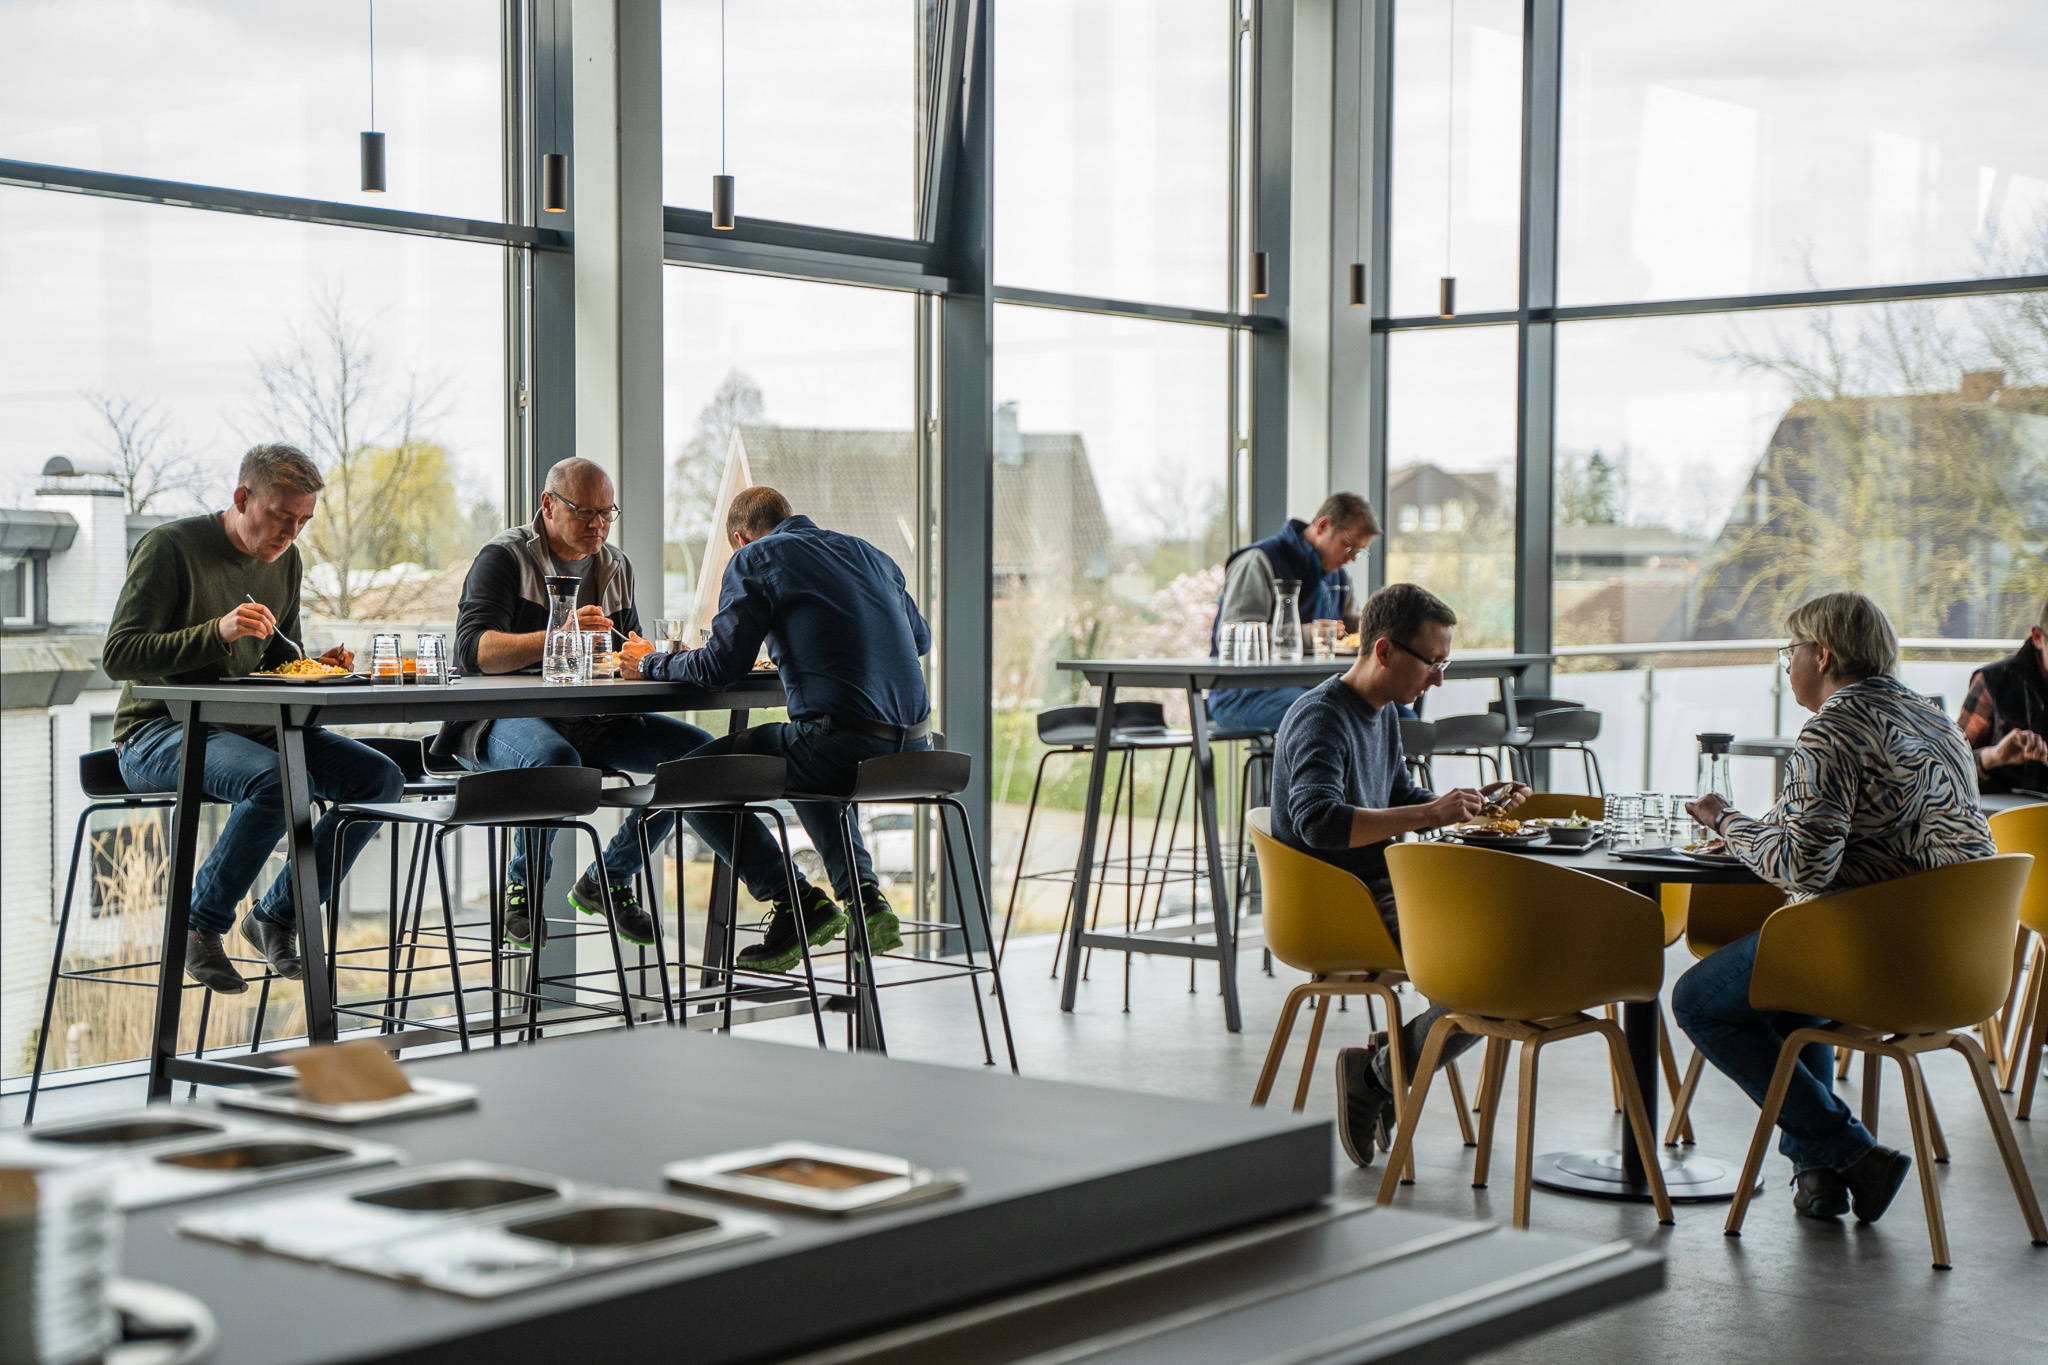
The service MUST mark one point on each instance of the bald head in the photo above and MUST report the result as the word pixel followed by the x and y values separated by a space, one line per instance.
pixel 578 508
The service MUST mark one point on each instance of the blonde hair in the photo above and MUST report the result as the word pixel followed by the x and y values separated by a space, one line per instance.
pixel 1854 632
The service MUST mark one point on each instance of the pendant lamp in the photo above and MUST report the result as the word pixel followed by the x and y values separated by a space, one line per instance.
pixel 373 141
pixel 1358 223
pixel 721 184
pixel 1447 285
pixel 554 183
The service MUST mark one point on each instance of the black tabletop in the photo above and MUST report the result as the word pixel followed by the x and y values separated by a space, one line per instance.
pixel 1209 673
pixel 1615 865
pixel 478 698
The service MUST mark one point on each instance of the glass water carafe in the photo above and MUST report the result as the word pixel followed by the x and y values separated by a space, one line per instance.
pixel 1287 621
pixel 1714 775
pixel 562 659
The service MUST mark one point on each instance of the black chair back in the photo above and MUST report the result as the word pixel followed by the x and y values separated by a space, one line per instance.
pixel 1470 732
pixel 99 775
pixel 1575 725
pixel 1071 726
pixel 1526 707
pixel 720 780
pixel 905 776
pixel 508 795
pixel 1418 738
pixel 409 754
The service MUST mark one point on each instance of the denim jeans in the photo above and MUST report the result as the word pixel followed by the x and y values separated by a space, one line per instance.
pixel 1415 1031
pixel 1253 708
pixel 244 773
pixel 634 744
pixel 1711 1003
pixel 820 760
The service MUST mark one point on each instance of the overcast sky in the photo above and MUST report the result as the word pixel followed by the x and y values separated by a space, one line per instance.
pixel 1707 150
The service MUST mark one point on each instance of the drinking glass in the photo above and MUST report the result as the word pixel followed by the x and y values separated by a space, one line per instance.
pixel 1324 635
pixel 1226 642
pixel 1260 647
pixel 387 663
pixel 1625 815
pixel 563 661
pixel 668 635
pixel 703 636
pixel 430 659
pixel 600 660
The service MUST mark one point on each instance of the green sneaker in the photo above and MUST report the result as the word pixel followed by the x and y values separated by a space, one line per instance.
pixel 885 931
pixel 518 924
pixel 633 922
pixel 779 950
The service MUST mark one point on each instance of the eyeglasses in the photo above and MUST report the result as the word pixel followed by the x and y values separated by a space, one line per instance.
pixel 589 516
pixel 1436 666
pixel 1785 651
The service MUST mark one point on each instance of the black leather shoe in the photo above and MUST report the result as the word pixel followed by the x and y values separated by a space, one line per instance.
pixel 1819 1193
pixel 1874 1179
pixel 278 944
pixel 206 962
pixel 1365 1108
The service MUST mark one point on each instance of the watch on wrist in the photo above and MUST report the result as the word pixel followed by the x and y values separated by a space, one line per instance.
pixel 1720 819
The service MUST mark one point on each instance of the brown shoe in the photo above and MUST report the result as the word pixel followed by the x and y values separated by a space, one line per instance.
pixel 206 962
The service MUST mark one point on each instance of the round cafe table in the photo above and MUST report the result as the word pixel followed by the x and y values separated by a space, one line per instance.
pixel 1617 1173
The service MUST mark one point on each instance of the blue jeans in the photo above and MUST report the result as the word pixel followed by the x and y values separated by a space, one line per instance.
pixel 1711 1003
pixel 244 773
pixel 634 744
pixel 1253 708
pixel 820 760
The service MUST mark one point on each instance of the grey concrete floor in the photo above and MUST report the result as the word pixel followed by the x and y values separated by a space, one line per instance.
pixel 1787 1289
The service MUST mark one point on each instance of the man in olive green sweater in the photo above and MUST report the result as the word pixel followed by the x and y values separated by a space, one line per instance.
pixel 219 594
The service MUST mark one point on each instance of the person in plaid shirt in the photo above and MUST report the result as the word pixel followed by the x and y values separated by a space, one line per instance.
pixel 2005 716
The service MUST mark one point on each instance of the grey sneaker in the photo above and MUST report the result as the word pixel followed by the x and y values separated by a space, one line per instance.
pixel 279 944
pixel 206 962
pixel 1365 1108
pixel 632 921
pixel 518 923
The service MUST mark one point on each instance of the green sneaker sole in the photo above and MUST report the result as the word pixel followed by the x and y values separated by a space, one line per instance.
pixel 623 932
pixel 885 932
pixel 829 930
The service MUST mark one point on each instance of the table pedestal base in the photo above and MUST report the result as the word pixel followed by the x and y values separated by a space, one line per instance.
pixel 1689 1177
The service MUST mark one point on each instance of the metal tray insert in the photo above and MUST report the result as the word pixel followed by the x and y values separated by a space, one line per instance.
pixel 126 1132
pixel 815 1178
pixel 259 1155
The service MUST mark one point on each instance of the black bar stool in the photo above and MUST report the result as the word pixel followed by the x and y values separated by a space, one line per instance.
pixel 1481 738
pixel 1557 724
pixel 739 786
pixel 927 777
pixel 498 802
pixel 99 777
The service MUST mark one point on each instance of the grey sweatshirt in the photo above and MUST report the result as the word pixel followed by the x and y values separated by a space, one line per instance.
pixel 1335 753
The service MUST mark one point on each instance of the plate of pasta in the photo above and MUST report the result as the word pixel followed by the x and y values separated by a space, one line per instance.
pixel 300 672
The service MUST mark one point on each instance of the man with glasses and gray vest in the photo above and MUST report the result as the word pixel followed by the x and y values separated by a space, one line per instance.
pixel 1313 556
pixel 501 626
pixel 846 637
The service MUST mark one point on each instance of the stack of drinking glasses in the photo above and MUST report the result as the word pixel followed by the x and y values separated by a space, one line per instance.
pixel 1244 642
pixel 429 661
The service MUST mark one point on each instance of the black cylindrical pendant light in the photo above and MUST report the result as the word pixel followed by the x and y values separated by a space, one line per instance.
pixel 1447 297
pixel 373 163
pixel 1357 284
pixel 721 202
pixel 373 141
pixel 721 184
pixel 1262 275
pixel 554 183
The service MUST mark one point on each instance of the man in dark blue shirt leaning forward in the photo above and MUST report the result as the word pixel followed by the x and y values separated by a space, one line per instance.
pixel 846 637
pixel 1342 794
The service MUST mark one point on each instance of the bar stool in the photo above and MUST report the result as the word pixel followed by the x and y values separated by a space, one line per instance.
pixel 928 777
pixel 735 785
pixel 1069 732
pixel 497 801
pixel 1555 723
pixel 1481 738
pixel 99 777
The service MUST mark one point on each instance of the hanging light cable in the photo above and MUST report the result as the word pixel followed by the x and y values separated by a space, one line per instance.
pixel 373 141
pixel 721 184
pixel 1358 223
pixel 1447 287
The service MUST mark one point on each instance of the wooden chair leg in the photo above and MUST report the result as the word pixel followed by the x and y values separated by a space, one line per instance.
pixel 1459 1107
pixel 1873 1087
pixel 1410 1107
pixel 1638 1118
pixel 1930 1189
pixel 1282 1030
pixel 1315 1043
pixel 1934 1135
pixel 1525 1132
pixel 1398 1064
pixel 1681 1107
pixel 2008 1145
pixel 1492 1080
pixel 1614 1017
pixel 1841 1063
pixel 1992 1031
pixel 1680 1123
pixel 1766 1120
pixel 2027 1057
pixel 2015 1002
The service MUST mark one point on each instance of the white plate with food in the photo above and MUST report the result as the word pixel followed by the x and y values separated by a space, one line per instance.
pixel 302 673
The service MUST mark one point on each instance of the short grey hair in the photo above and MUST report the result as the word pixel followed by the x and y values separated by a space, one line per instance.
pixel 279 465
pixel 1349 512
pixel 1853 630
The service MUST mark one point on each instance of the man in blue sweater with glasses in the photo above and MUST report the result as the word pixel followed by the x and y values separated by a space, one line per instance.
pixel 846 637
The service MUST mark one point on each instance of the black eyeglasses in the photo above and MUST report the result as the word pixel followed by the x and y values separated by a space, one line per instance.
pixel 1436 666
pixel 588 515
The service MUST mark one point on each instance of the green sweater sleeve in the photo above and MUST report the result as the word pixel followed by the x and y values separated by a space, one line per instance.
pixel 146 638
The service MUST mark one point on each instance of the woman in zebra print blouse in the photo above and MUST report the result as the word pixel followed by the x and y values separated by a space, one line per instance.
pixel 1880 785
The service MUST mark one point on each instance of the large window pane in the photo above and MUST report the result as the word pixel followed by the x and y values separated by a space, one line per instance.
pixel 825 108
pixel 1451 474
pixel 260 96
pixel 1113 148
pixel 1111 449
pixel 156 345
pixel 1754 147
pixel 1457 155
